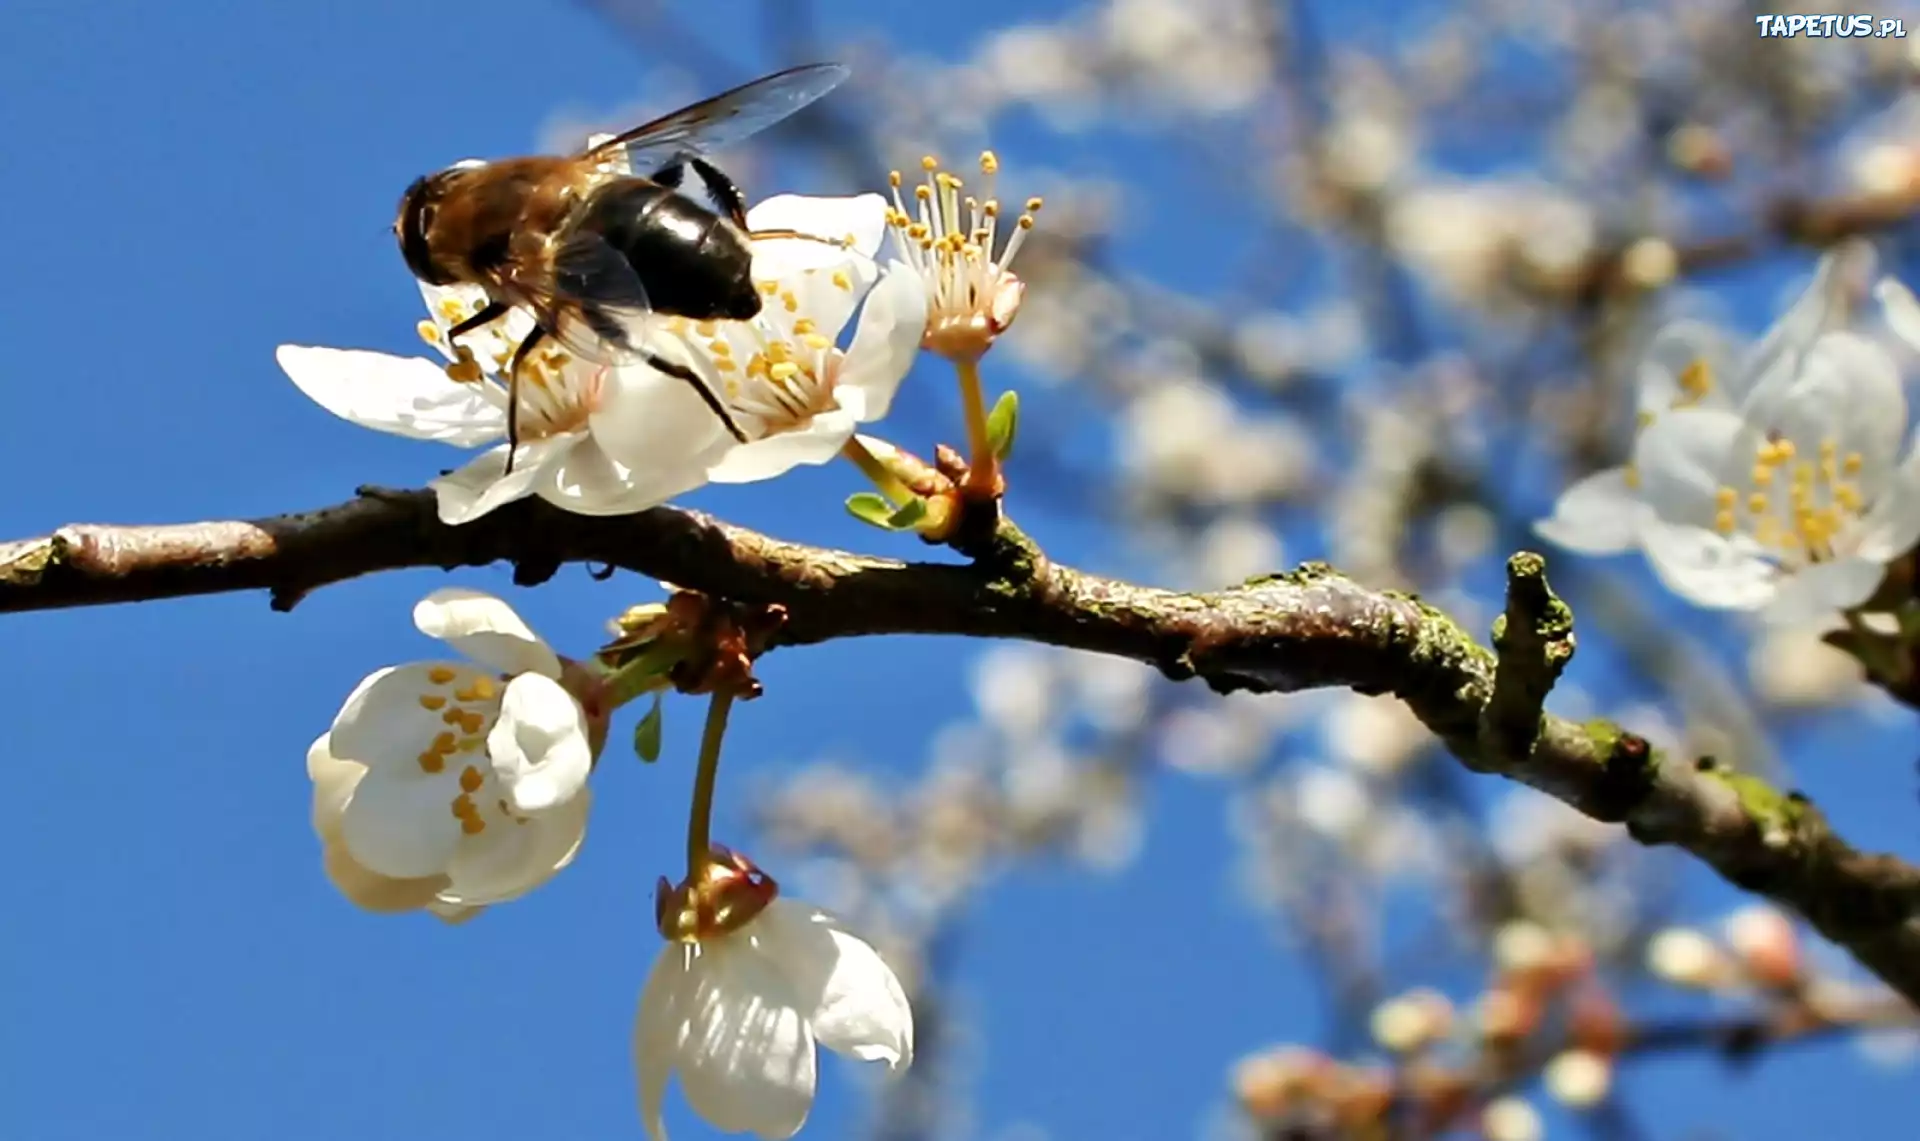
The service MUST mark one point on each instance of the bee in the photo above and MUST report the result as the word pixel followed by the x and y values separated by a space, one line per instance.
pixel 592 247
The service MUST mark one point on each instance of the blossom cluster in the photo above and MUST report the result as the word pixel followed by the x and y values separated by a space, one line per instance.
pixel 460 783
pixel 1776 476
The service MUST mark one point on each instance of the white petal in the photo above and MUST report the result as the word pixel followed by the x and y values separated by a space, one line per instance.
pixel 657 1028
pixel 384 725
pixel 539 745
pixel 1599 515
pixel 825 297
pixel 745 1052
pixel 888 341
pixel 862 218
pixel 656 426
pixel 1820 306
pixel 1674 349
pixel 333 783
pixel 371 891
pixel 407 396
pixel 816 443
pixel 1823 589
pixel 485 629
pixel 1685 457
pixel 1848 391
pixel 1901 310
pixel 850 996
pixel 509 859
pixel 1892 523
pixel 590 482
pixel 1708 569
pixel 401 825
pixel 484 484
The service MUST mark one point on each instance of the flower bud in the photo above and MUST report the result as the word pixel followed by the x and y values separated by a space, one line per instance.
pixel 1511 1119
pixel 1685 957
pixel 1579 1079
pixel 1766 945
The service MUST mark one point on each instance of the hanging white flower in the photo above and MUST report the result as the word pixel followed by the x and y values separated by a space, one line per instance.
pixel 737 1006
pixel 794 392
pixel 1692 364
pixel 452 785
pixel 1795 504
pixel 949 239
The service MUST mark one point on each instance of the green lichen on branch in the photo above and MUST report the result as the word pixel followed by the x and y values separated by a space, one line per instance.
pixel 1534 642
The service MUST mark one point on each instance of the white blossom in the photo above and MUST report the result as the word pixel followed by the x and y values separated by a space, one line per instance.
pixel 737 1015
pixel 451 784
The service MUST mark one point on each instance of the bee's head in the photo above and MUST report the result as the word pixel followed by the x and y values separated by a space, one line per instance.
pixel 413 225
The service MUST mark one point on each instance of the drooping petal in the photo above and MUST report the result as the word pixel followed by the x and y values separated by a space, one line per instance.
pixel 1823 589
pixel 862 218
pixel 816 443
pixel 371 891
pixel 510 857
pixel 1901 310
pixel 484 484
pixel 746 1055
pixel 406 396
pixel 658 1026
pixel 485 629
pixel 539 745
pixel 850 996
pixel 1599 515
pixel 401 825
pixel 888 340
pixel 1684 458
pixel 385 723
pixel 1821 306
pixel 1708 569
pixel 590 482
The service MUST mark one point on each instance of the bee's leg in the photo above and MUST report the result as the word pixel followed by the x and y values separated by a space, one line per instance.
pixel 490 312
pixel 682 372
pixel 671 175
pixel 796 235
pixel 513 393
pixel 721 189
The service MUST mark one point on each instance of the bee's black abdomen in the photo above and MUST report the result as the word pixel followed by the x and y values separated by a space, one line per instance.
pixel 692 263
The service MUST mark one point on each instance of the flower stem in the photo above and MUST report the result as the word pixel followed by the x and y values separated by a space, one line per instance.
pixel 983 474
pixel 870 466
pixel 700 817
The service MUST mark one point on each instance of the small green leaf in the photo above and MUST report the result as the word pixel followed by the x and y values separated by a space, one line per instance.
pixel 1003 423
pixel 870 508
pixel 646 735
pixel 911 512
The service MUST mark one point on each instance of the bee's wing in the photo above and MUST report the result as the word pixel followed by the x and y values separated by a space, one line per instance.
pixel 594 303
pixel 715 123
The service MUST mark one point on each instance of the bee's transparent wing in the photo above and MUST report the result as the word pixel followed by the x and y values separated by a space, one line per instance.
pixel 713 124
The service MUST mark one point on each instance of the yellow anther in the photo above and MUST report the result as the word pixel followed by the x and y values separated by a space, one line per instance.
pixel 451 309
pixel 1725 498
pixel 1783 449
pixel 842 281
pixel 1026 221
pixel 706 328
pixel 989 162
pixel 429 332
pixel 471 780
pixel 929 163
pixel 443 743
pixel 452 716
pixel 1035 203
pixel 1803 473
pixel 1762 474
pixel 1852 464
pixel 791 302
pixel 720 347
pixel 769 287
pixel 726 364
pixel 1848 497
pixel 1633 476
pixel 431 762
pixel 948 181
pixel 894 179
pixel 441 675
pixel 472 825
pixel 471 721
pixel 1696 381
pixel 482 689
pixel 818 342
pixel 779 351
pixel 466 370
pixel 804 326
pixel 463 806
pixel 1757 503
pixel 1723 521
pixel 991 208
pixel 432 701
pixel 784 371
pixel 923 193
pixel 472 744
pixel 678 326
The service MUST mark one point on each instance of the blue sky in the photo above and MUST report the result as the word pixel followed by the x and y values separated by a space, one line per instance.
pixel 194 184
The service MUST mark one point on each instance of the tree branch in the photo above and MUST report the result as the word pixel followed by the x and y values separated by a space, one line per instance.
pixel 1281 633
